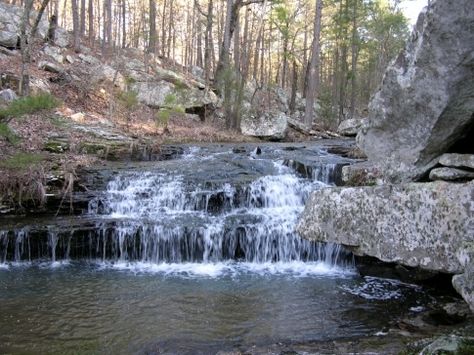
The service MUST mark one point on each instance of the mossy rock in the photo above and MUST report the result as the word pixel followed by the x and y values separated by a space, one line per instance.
pixel 93 148
pixel 55 146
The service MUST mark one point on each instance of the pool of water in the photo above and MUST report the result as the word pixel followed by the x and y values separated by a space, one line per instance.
pixel 187 308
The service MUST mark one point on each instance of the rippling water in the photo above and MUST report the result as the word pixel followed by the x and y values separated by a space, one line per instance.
pixel 197 254
pixel 130 308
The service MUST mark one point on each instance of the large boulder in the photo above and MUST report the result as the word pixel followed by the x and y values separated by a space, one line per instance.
pixel 351 126
pixel 426 101
pixel 165 93
pixel 422 225
pixel 10 18
pixel 269 125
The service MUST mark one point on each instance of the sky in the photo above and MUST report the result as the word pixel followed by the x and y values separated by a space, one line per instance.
pixel 412 8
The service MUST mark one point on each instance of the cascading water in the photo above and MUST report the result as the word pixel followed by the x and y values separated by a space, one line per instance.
pixel 191 255
pixel 151 216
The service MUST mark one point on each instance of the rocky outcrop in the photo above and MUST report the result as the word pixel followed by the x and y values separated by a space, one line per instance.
pixel 269 125
pixel 418 224
pixel 457 160
pixel 10 17
pixel 351 126
pixel 450 174
pixel 163 94
pixel 426 101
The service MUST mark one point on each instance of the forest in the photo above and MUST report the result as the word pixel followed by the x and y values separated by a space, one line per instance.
pixel 333 51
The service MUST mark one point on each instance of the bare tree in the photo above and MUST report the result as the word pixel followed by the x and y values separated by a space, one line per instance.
pixel 313 79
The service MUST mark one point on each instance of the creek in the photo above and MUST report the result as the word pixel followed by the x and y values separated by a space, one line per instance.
pixel 197 253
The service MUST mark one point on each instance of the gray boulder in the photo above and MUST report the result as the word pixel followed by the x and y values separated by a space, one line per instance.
pixel 464 283
pixel 8 95
pixel 50 67
pixel 417 224
pixel 164 93
pixel 54 53
pixel 104 74
pixel 426 101
pixel 10 18
pixel 269 125
pixel 450 174
pixel 457 160
pixel 351 126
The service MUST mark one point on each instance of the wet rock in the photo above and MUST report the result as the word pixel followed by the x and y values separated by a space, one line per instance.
pixel 457 160
pixel 8 95
pixel 450 174
pixel 449 344
pixel 464 283
pixel 269 125
pixel 425 104
pixel 419 224
pixel 351 127
pixel 50 67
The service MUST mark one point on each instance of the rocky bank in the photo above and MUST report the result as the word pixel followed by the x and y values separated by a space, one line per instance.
pixel 420 128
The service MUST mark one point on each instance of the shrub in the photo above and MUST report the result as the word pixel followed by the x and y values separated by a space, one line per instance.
pixel 21 161
pixel 28 105
pixel 8 134
pixel 170 108
pixel 128 99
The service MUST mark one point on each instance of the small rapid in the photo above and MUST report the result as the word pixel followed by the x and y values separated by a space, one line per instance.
pixel 190 212
pixel 197 254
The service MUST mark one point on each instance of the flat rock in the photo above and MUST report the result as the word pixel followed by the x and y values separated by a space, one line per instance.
pixel 50 67
pixel 417 224
pixel 270 125
pixel 351 127
pixel 457 160
pixel 450 174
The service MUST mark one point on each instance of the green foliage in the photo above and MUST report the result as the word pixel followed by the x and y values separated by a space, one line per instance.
pixel 21 161
pixel 28 105
pixel 8 134
pixel 170 108
pixel 326 113
pixel 129 99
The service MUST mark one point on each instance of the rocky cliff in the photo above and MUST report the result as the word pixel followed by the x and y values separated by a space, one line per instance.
pixel 425 104
pixel 421 127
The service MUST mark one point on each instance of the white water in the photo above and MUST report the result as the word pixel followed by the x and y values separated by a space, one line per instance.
pixel 170 222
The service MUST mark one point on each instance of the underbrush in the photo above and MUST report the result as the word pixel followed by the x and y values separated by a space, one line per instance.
pixel 28 105
pixel 8 134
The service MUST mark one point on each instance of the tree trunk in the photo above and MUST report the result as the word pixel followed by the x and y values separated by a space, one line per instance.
pixel 75 26
pixel 152 34
pixel 25 50
pixel 34 29
pixel 163 30
pixel 354 54
pixel 124 26
pixel 313 80
pixel 170 23
pixel 82 30
pixel 91 21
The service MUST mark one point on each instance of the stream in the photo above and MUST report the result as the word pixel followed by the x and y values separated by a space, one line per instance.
pixel 196 253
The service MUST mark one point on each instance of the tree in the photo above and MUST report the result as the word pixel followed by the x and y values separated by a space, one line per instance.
pixel 153 33
pixel 313 79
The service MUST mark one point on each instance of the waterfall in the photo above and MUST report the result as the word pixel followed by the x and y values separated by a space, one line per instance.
pixel 155 216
